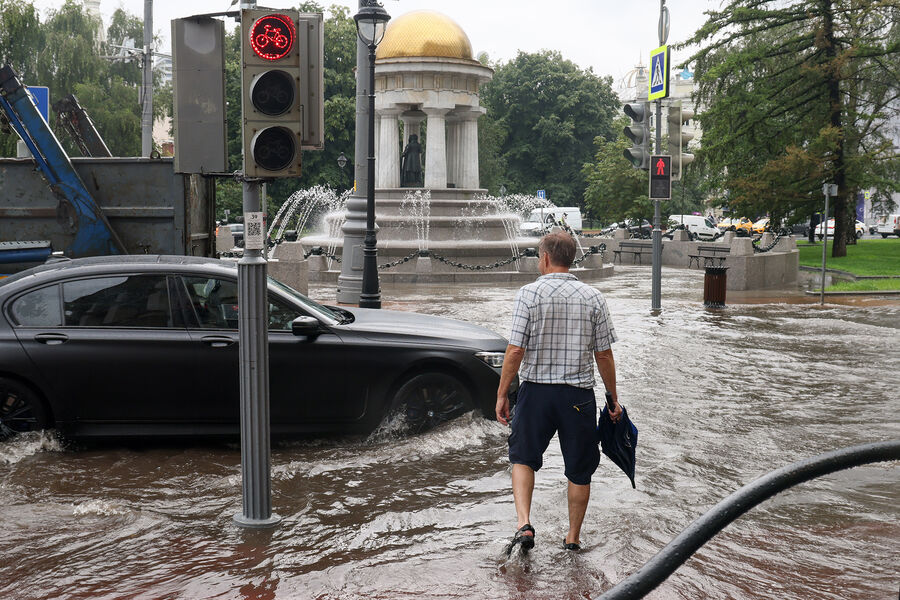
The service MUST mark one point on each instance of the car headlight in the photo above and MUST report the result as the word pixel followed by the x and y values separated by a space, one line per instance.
pixel 491 359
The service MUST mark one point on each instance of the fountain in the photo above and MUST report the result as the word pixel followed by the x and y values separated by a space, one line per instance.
pixel 448 229
pixel 439 235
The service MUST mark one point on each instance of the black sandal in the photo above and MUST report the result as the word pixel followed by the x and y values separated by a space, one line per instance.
pixel 570 546
pixel 525 541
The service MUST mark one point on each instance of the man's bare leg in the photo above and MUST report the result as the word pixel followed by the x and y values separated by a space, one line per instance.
pixel 578 501
pixel 523 489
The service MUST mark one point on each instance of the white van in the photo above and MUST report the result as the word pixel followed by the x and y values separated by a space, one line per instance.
pixel 888 225
pixel 702 227
pixel 542 219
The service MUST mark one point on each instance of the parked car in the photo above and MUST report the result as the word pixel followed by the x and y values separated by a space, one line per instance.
pixel 742 225
pixel 888 225
pixel 699 226
pixel 761 226
pixel 237 232
pixel 640 230
pixel 542 219
pixel 148 346
pixel 860 229
pixel 800 229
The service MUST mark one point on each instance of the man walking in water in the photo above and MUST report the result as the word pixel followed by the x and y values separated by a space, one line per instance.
pixel 560 328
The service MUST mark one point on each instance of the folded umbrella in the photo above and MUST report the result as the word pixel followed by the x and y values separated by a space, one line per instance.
pixel 618 440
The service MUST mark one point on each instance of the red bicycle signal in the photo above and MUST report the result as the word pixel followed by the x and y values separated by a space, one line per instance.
pixel 272 36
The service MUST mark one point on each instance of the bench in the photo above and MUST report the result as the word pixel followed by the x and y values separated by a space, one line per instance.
pixel 709 254
pixel 636 249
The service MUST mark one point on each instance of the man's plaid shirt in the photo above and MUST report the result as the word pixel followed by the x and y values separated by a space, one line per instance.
pixel 560 322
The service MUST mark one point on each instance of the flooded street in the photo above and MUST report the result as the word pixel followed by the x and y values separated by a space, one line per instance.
pixel 720 398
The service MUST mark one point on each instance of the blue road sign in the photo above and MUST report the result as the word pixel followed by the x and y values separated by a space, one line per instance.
pixel 659 73
pixel 41 97
pixel 542 194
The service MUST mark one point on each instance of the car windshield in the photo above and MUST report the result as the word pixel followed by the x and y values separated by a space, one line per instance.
pixel 314 307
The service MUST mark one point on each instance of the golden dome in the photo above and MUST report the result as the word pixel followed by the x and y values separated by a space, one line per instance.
pixel 423 33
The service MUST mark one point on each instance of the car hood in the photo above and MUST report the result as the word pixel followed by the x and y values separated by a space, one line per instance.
pixel 389 324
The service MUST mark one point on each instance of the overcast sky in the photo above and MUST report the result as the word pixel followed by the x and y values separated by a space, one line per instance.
pixel 609 35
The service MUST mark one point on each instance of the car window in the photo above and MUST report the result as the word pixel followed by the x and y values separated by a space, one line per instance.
pixel 124 301
pixel 40 308
pixel 215 302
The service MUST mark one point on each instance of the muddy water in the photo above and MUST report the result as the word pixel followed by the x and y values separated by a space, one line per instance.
pixel 720 398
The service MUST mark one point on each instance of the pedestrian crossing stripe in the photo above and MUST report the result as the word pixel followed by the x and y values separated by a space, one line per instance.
pixel 659 74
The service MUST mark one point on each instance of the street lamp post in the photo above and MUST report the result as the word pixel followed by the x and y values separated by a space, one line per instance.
pixel 342 162
pixel 371 21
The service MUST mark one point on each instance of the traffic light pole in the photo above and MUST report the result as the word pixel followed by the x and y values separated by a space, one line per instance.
pixel 253 346
pixel 655 292
pixel 253 352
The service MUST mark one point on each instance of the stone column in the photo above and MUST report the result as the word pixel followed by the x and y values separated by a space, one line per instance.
pixel 468 151
pixel 387 162
pixel 412 124
pixel 436 149
pixel 453 170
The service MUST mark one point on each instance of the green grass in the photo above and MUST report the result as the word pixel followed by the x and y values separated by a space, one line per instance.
pixel 867 257
pixel 865 285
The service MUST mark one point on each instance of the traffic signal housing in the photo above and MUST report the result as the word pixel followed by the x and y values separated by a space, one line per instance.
pixel 271 104
pixel 678 138
pixel 639 133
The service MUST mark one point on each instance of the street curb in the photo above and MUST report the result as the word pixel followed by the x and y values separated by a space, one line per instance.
pixel 858 293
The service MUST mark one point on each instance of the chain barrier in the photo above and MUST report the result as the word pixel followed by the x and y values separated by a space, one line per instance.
pixel 320 251
pixel 400 261
pixel 528 252
pixel 525 253
pixel 758 250
pixel 594 250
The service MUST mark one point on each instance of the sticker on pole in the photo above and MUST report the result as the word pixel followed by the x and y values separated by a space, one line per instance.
pixel 254 231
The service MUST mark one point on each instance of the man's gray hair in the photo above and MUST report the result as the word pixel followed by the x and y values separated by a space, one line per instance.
pixel 560 247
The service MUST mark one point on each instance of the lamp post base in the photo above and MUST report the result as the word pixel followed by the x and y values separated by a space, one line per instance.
pixel 250 523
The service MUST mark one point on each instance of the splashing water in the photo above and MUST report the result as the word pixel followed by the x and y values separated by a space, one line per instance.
pixel 302 204
pixel 417 206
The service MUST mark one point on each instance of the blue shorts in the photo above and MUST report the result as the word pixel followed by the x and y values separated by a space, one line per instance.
pixel 543 409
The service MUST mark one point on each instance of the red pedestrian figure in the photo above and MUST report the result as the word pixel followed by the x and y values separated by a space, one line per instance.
pixel 660 167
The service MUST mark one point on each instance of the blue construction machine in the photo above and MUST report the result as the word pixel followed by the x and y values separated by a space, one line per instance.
pixel 91 206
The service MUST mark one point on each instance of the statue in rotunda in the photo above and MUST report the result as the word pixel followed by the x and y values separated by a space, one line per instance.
pixel 411 169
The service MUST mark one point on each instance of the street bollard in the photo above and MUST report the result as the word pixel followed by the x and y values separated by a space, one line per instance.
pixel 714 286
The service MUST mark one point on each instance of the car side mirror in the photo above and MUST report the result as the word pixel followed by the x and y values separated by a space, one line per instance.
pixel 305 326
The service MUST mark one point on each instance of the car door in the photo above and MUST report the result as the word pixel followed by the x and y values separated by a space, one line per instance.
pixel 118 353
pixel 307 376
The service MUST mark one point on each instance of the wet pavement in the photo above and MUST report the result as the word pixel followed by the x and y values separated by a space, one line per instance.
pixel 721 397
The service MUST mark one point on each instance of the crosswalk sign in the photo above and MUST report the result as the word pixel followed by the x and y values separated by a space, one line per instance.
pixel 659 74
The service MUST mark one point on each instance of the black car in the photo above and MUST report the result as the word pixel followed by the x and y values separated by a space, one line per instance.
pixel 148 346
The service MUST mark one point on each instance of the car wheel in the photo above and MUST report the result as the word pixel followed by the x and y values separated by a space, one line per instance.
pixel 20 410
pixel 858 234
pixel 884 236
pixel 429 399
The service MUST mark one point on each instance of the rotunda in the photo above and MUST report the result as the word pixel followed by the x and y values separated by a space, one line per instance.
pixel 424 72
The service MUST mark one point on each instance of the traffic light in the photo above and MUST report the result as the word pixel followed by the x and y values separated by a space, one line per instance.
pixel 271 104
pixel 678 139
pixel 639 133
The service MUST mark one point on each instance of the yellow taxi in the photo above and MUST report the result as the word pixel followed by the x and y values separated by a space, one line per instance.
pixel 761 226
pixel 741 225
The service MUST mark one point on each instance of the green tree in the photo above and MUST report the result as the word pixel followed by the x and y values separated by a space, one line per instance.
pixel 547 112
pixel 64 54
pixel 796 94
pixel 615 190
pixel 20 37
